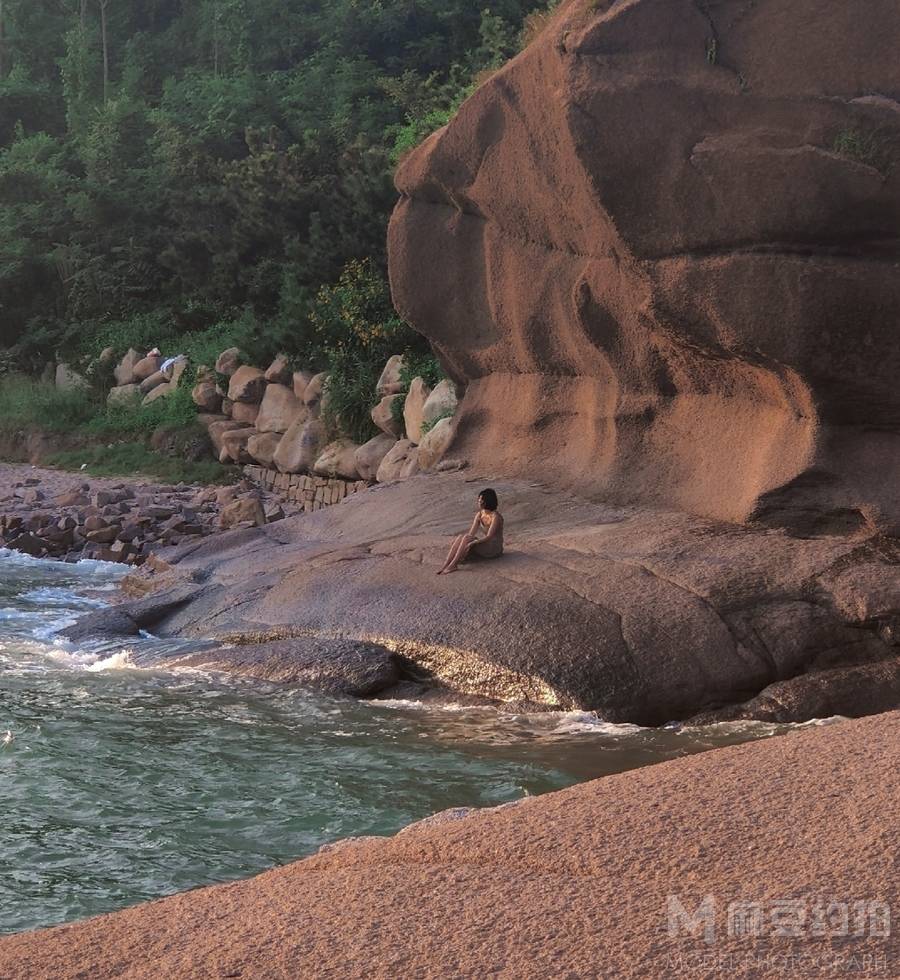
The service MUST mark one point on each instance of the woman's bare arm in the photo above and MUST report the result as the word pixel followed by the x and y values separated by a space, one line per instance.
pixel 473 530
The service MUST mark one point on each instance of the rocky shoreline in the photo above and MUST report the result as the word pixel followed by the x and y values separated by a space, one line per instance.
pixel 49 514
pixel 580 880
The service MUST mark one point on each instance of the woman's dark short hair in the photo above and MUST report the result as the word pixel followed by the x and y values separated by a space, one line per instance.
pixel 488 499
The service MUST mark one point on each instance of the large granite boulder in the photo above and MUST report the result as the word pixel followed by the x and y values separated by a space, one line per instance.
pixel 300 446
pixel 338 459
pixel 245 412
pixel 280 408
pixel 262 447
pixel 660 248
pixel 206 396
pixel 229 361
pixel 338 667
pixel 124 394
pixel 435 443
pixel 441 403
pixel 146 367
pixel 124 370
pixel 388 415
pixel 248 384
pixel 400 462
pixel 414 409
pixel 370 455
pixel 279 371
pixel 314 394
pixel 389 381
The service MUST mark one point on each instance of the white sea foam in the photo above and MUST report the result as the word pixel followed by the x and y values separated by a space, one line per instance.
pixel 49 595
pixel 117 661
pixel 87 566
pixel 588 723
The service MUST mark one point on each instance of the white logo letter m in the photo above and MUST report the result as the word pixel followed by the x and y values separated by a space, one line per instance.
pixel 703 919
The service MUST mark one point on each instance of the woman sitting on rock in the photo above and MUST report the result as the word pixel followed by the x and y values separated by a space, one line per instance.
pixel 489 520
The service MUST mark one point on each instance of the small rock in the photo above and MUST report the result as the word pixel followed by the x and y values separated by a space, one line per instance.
pixel 246 509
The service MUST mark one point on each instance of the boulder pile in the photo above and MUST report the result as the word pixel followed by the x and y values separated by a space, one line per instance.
pixel 273 419
pixel 125 522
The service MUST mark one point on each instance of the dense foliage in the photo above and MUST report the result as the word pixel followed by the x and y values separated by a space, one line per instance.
pixel 193 173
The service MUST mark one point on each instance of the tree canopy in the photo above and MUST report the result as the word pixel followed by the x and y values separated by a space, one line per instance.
pixel 166 166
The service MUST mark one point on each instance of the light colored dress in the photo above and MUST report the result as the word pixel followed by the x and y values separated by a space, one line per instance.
pixel 489 547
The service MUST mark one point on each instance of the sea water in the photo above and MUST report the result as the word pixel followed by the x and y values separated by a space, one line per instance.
pixel 121 784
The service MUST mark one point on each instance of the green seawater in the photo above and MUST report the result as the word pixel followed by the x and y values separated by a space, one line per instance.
pixel 122 784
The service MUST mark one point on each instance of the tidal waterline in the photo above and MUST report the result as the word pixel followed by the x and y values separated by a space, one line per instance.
pixel 122 784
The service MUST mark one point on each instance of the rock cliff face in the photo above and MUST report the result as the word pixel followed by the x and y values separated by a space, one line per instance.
pixel 661 248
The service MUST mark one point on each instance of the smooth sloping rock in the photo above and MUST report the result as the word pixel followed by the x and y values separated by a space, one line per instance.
pixel 338 458
pixel 229 361
pixel 124 372
pixel 262 447
pixel 441 403
pixel 383 415
pixel 370 455
pixel 389 382
pixel 414 409
pixel 671 312
pixel 643 616
pixel 248 384
pixel 280 409
pixel 146 367
pixel 105 624
pixel 399 463
pixel 435 444
pixel 300 446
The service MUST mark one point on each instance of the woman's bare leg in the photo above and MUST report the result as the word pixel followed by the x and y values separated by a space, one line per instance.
pixel 452 553
pixel 461 553
pixel 456 550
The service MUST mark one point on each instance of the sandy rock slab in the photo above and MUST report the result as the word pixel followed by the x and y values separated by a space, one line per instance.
pixel 641 616
pixel 581 883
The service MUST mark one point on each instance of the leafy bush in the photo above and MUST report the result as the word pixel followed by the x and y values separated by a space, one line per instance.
pixel 420 365
pixel 176 409
pixel 355 330
pixel 25 403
